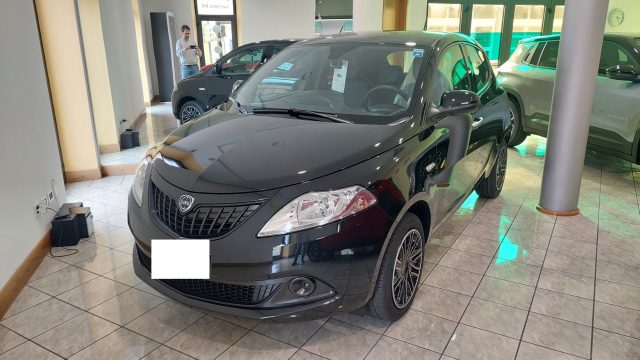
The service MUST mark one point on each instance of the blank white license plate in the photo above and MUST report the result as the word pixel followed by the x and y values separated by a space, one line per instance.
pixel 180 259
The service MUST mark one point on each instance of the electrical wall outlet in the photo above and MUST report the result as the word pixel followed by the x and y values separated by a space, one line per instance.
pixel 50 197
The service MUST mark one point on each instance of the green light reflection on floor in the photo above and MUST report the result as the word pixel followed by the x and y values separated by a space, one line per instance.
pixel 508 251
pixel 470 203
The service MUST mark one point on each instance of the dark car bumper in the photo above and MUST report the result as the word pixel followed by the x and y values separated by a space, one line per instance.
pixel 340 258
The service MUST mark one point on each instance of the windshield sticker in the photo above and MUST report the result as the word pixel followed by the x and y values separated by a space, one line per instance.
pixel 339 77
pixel 285 66
pixel 418 52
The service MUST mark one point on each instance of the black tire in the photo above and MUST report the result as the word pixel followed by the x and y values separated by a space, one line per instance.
pixel 190 110
pixel 490 187
pixel 517 133
pixel 385 304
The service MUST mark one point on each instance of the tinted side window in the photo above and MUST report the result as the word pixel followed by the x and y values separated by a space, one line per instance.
pixel 549 57
pixel 277 48
pixel 535 58
pixel 479 66
pixel 451 74
pixel 244 62
pixel 613 54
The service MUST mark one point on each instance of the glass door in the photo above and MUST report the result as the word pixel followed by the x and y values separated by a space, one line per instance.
pixel 443 17
pixel 217 39
pixel 486 28
pixel 527 22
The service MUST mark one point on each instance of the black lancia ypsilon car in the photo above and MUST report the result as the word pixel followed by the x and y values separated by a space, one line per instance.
pixel 319 182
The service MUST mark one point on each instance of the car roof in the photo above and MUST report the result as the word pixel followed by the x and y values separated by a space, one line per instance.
pixel 275 41
pixel 420 38
pixel 608 36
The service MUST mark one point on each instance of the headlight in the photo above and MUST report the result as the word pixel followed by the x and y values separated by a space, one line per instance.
pixel 138 183
pixel 318 208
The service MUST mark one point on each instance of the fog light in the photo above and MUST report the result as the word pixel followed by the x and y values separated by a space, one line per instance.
pixel 302 286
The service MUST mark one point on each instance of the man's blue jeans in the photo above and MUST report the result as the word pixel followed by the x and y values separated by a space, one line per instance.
pixel 188 70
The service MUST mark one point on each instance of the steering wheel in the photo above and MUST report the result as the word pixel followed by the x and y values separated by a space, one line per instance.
pixel 395 89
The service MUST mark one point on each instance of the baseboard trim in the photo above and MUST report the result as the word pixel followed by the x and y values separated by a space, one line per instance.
pixel 154 100
pixel 118 170
pixel 109 148
pixel 84 175
pixel 21 276
pixel 139 120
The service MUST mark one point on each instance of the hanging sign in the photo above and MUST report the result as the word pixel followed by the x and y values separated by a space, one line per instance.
pixel 215 7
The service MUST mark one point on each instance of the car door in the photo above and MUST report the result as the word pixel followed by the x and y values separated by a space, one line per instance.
pixel 616 104
pixel 238 65
pixel 456 178
pixel 537 104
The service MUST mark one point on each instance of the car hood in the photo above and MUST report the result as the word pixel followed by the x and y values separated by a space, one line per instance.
pixel 234 153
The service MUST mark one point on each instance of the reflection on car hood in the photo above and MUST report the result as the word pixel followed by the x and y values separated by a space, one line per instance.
pixel 232 153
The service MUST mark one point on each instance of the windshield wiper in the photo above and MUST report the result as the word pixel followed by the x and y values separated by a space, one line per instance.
pixel 300 112
pixel 240 108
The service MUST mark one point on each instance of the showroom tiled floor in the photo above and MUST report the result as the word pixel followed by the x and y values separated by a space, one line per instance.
pixel 504 282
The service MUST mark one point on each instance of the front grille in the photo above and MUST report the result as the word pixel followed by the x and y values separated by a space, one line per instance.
pixel 202 222
pixel 215 291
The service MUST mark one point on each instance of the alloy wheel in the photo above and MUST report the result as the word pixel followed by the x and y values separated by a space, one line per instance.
pixel 407 268
pixel 189 112
pixel 501 167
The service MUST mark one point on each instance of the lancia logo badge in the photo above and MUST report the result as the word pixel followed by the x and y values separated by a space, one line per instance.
pixel 185 203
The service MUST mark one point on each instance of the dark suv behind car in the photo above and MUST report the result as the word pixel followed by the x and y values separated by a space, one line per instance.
pixel 208 89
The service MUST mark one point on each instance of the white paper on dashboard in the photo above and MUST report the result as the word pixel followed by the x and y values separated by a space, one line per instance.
pixel 340 77
pixel 180 259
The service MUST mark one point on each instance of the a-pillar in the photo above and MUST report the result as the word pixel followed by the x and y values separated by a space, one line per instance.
pixel 577 69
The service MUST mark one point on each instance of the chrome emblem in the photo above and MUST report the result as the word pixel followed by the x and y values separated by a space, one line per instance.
pixel 185 203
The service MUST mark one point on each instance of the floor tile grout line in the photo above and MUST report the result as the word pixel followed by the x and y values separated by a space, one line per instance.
pixel 595 275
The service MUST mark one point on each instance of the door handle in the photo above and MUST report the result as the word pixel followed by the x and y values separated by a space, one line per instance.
pixel 477 122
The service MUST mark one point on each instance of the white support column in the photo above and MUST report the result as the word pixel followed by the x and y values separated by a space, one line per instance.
pixel 367 15
pixel 579 54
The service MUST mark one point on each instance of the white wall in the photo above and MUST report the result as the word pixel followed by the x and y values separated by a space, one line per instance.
pixel 367 15
pixel 119 36
pixel 275 19
pixel 416 14
pixel 631 23
pixel 184 15
pixel 29 156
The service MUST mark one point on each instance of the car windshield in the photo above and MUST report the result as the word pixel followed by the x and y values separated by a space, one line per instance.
pixel 360 83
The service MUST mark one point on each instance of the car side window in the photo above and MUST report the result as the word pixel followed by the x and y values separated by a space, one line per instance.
pixel 479 66
pixel 244 62
pixel 611 55
pixel 451 74
pixel 549 57
pixel 535 58
pixel 277 48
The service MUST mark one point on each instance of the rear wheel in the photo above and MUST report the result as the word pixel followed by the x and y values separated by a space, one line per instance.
pixel 190 110
pixel 490 187
pixel 517 133
pixel 400 270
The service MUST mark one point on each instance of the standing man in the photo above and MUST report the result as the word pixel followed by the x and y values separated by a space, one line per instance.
pixel 188 53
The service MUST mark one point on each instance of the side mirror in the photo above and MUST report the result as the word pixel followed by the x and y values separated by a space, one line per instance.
pixel 624 73
pixel 458 102
pixel 236 85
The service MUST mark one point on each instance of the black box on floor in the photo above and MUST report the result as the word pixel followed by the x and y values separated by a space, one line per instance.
pixel 65 230
pixel 86 225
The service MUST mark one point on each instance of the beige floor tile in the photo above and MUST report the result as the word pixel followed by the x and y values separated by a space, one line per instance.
pixel 443 303
pixel 127 306
pixel 558 335
pixel 41 318
pixel 148 289
pixel 86 250
pixel 424 330
pixel 573 248
pixel 494 317
pixel 619 256
pixel 563 306
pixel 505 292
pixel 443 238
pixel 165 353
pixel 618 294
pixel 165 321
pixel 76 334
pixel 617 319
pixel 575 233
pixel 29 350
pixel 475 344
pixel 48 266
pixel 207 338
pixel 514 271
pixel 566 283
pixel 125 275
pixel 571 264
pixel 533 226
pixel 391 349
pixel 528 239
pixel 362 319
pixel 114 238
pixel 466 261
pixel 92 293
pixel 618 273
pixel 236 320
pixel 305 355
pixel 294 334
pixel 610 346
pixel 534 352
pixel 525 254
pixel 619 241
pixel 456 280
pixel 105 262
pixel 256 346
pixel 433 253
pixel 476 245
pixel 27 298
pixel 120 344
pixel 9 339
pixel 486 231
pixel 63 280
